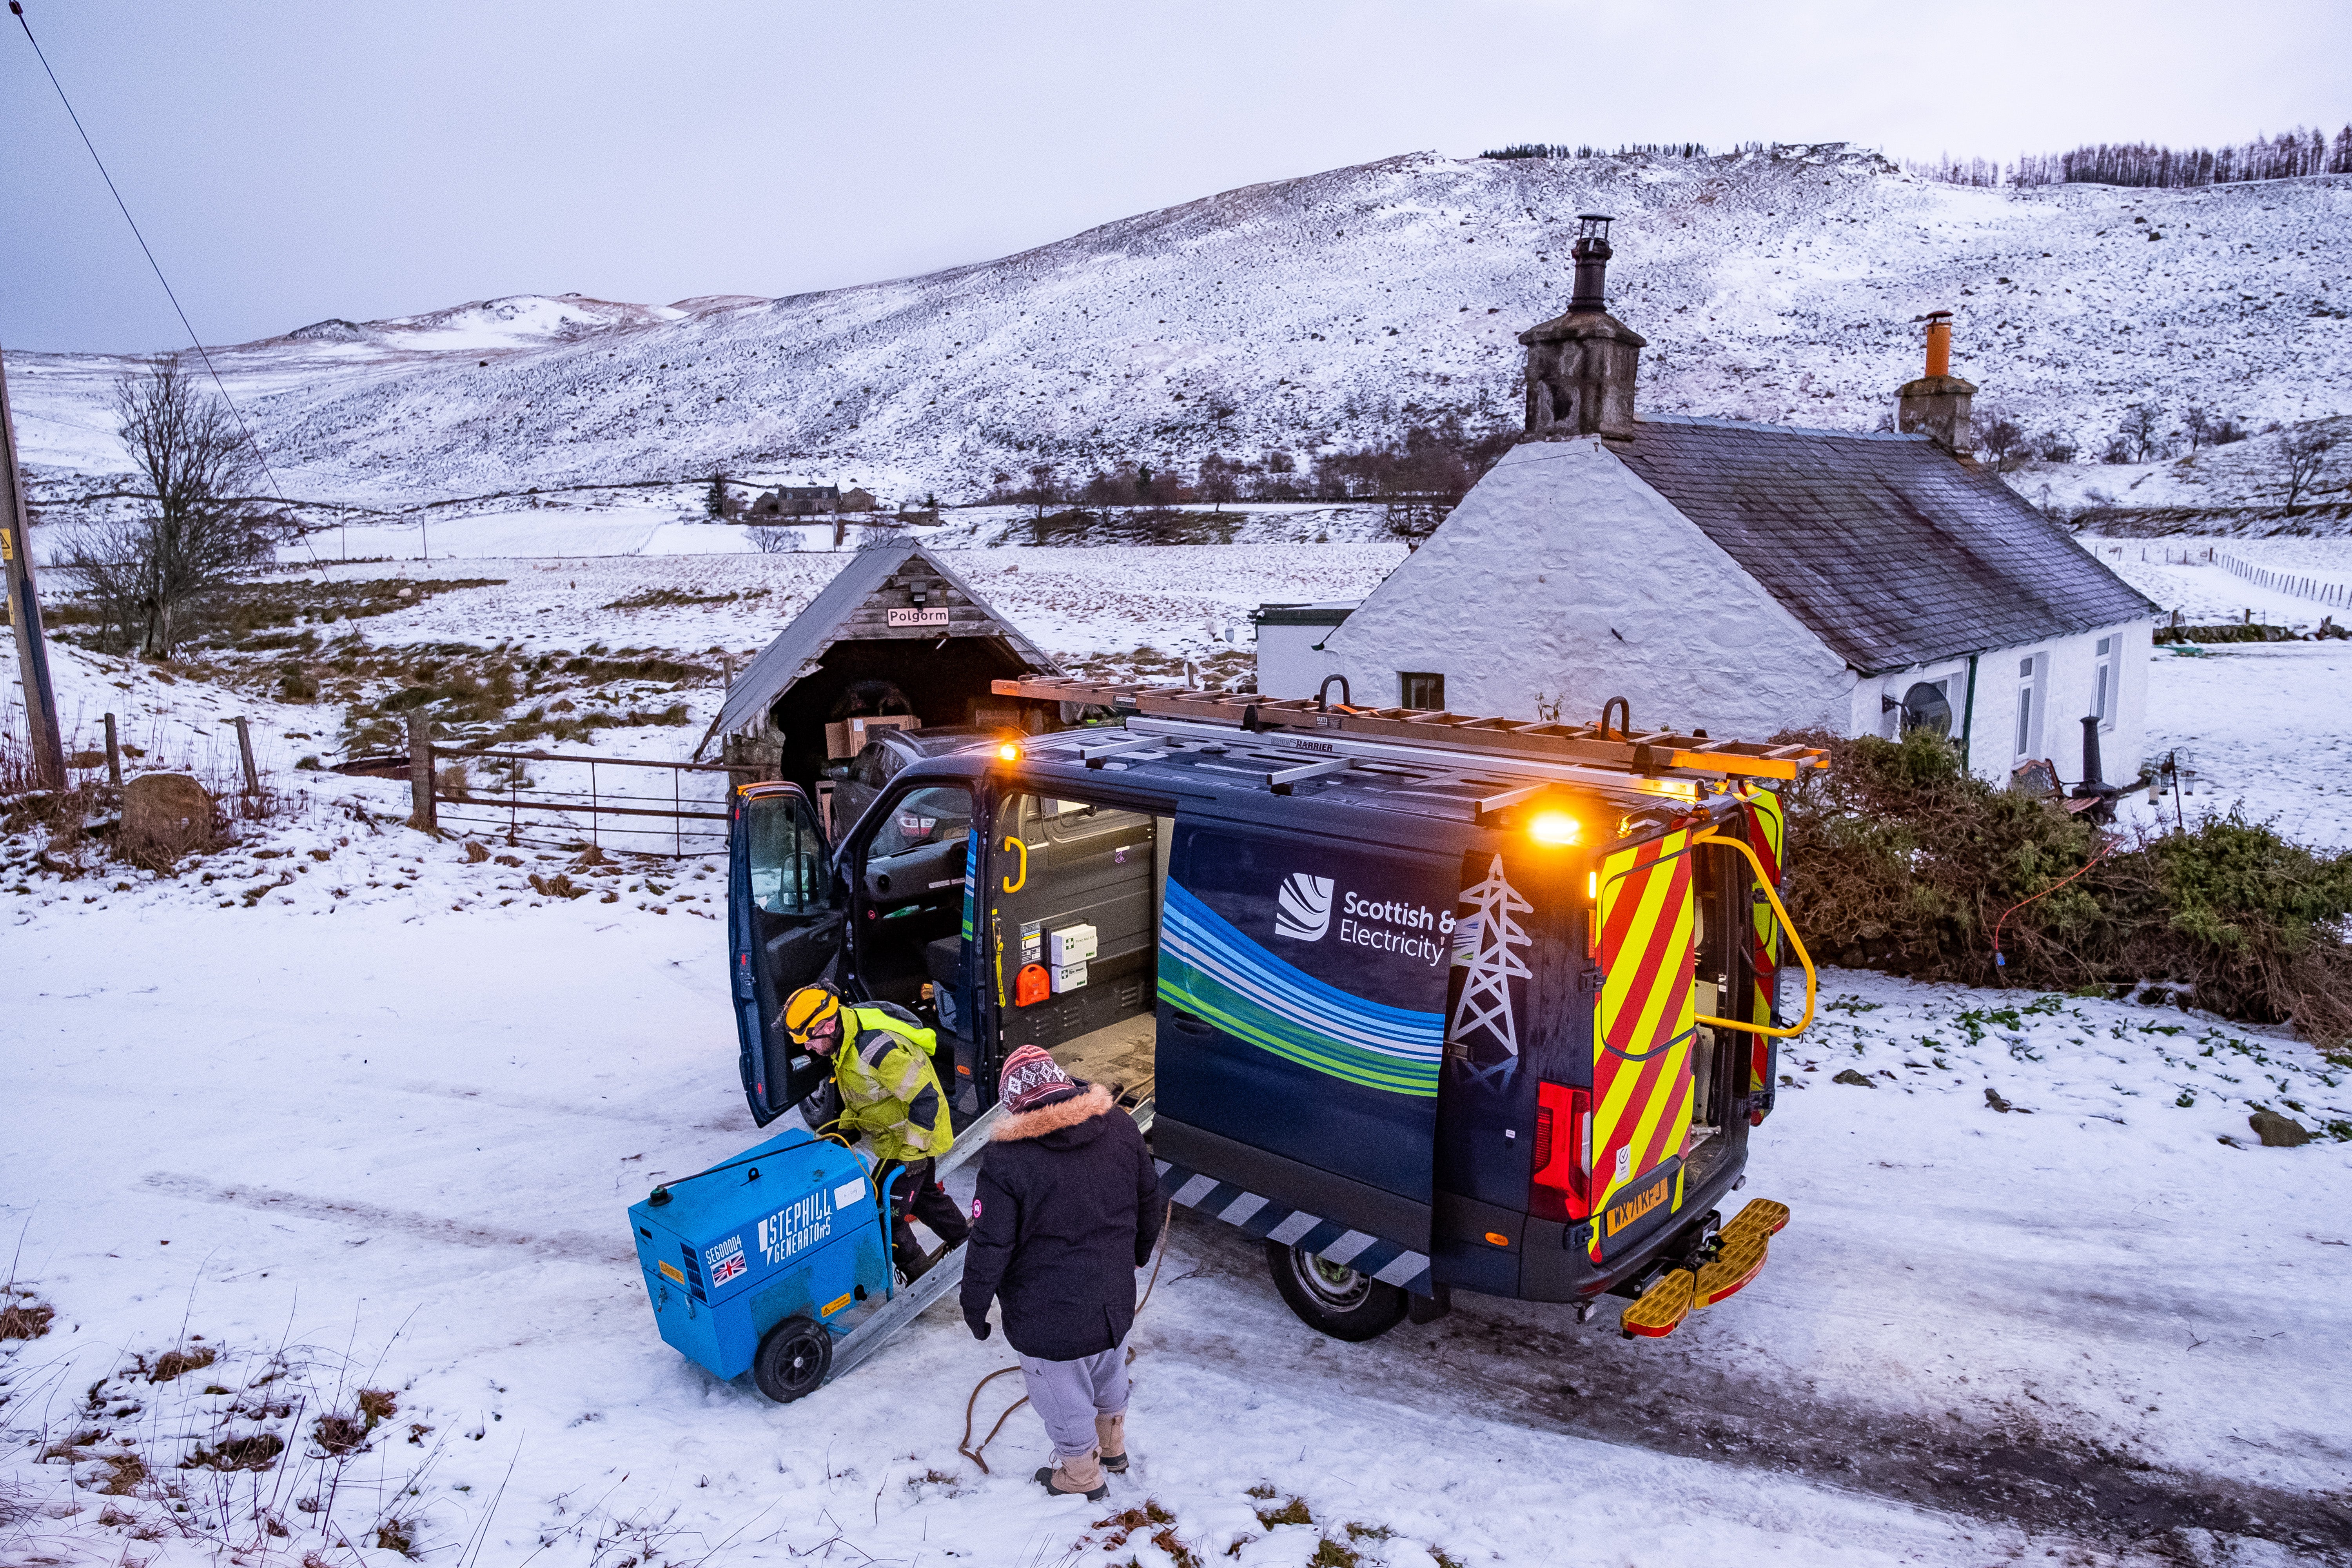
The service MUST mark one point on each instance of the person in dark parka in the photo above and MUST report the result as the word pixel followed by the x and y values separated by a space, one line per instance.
pixel 1068 1207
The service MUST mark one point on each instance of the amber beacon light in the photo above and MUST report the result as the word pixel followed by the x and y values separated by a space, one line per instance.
pixel 1554 827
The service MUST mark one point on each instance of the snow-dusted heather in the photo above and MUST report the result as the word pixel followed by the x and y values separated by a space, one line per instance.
pixel 1339 307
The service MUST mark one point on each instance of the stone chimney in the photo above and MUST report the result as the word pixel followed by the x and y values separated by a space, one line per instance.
pixel 1581 367
pixel 1937 404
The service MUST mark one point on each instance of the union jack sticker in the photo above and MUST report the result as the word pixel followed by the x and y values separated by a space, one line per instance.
pixel 726 1270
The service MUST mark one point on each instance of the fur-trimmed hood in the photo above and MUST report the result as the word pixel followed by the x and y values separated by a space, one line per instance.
pixel 1090 1101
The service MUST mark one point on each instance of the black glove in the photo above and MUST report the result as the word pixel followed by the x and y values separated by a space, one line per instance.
pixel 980 1327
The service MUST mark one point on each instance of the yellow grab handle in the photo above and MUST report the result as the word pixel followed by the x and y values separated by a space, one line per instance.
pixel 1786 926
pixel 1013 885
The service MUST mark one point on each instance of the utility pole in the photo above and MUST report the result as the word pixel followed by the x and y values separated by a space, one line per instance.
pixel 25 609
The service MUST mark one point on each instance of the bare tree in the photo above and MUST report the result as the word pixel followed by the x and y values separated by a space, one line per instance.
pixel 197 530
pixel 2141 421
pixel 2199 422
pixel 1218 482
pixel 2001 438
pixel 1040 488
pixel 2302 461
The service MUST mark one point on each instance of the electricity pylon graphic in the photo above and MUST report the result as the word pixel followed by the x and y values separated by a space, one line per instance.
pixel 1485 1001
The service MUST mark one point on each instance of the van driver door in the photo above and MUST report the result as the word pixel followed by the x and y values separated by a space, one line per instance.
pixel 784 924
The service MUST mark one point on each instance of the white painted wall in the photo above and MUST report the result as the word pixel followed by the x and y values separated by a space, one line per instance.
pixel 2064 681
pixel 1563 576
pixel 1288 663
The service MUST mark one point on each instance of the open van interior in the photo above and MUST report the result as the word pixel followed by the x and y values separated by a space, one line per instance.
pixel 1073 935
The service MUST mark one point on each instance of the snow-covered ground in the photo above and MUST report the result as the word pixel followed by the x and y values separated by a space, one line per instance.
pixel 364 1111
pixel 377 1127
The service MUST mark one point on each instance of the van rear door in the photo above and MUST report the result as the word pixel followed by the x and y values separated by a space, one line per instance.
pixel 1302 983
pixel 1642 1035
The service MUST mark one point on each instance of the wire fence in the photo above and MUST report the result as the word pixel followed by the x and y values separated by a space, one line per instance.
pixel 2290 583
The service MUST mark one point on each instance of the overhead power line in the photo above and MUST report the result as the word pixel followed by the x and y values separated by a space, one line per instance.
pixel 16 9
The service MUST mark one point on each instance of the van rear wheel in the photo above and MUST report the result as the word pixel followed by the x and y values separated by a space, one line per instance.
pixel 1332 1298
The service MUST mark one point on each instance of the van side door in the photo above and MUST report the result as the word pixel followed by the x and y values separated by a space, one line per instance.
pixel 1302 981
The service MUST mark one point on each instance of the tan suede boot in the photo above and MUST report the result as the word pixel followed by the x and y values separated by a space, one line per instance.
pixel 1078 1476
pixel 1111 1441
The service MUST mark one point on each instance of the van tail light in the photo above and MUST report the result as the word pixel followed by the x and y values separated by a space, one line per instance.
pixel 1560 1187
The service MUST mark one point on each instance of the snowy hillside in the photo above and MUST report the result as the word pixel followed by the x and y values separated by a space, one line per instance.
pixel 1340 307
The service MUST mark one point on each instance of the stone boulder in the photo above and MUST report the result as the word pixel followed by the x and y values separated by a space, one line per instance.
pixel 165 815
pixel 2278 1131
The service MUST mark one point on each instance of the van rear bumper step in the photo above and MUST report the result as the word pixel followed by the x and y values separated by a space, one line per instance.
pixel 1740 1256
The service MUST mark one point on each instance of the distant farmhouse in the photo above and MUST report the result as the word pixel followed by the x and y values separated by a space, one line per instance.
pixel 1740 578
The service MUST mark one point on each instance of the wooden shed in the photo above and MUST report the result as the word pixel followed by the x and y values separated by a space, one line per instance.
pixel 898 633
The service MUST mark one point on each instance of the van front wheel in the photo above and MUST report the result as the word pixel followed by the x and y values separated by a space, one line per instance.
pixel 1331 1297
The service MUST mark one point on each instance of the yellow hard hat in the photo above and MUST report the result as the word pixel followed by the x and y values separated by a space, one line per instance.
pixel 806 1008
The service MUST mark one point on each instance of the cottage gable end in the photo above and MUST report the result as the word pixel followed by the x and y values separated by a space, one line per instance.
pixel 1564 574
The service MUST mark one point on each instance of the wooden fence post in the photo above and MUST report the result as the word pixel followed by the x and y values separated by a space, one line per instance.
pixel 245 754
pixel 113 755
pixel 420 773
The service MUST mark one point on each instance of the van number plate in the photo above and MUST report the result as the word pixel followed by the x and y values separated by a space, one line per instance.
pixel 1625 1211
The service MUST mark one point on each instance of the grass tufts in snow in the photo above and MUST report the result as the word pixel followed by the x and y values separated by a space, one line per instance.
pixel 339 1434
pixel 398 1535
pixel 179 1362
pixel 258 1452
pixel 25 1316
pixel 1292 1512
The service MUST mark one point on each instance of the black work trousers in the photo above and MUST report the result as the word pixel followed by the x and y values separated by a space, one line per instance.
pixel 915 1193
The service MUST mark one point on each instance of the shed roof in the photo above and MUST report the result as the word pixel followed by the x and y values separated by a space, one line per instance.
pixel 1887 548
pixel 827 619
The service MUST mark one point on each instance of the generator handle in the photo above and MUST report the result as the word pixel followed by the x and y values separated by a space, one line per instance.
pixel 1788 926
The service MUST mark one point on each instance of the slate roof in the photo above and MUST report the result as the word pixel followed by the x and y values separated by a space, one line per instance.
pixel 825 621
pixel 1889 549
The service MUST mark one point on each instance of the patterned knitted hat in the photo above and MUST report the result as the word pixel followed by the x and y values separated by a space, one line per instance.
pixel 1031 1078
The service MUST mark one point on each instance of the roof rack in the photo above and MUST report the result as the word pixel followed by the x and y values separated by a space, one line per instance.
pixel 1646 754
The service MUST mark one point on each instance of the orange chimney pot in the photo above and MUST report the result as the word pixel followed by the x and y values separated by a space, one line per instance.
pixel 1939 343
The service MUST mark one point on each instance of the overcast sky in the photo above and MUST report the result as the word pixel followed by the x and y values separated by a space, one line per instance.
pixel 295 161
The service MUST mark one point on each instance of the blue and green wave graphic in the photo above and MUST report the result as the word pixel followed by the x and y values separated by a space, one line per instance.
pixel 1209 968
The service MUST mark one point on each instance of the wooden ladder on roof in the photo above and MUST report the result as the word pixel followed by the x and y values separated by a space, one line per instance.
pixel 1648 754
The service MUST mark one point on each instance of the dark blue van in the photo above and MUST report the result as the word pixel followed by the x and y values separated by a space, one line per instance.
pixel 1423 1004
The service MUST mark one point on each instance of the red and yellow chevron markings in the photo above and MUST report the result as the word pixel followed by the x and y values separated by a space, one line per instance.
pixel 1739 1259
pixel 1640 1072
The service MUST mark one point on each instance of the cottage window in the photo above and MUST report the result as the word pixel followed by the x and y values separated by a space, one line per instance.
pixel 2103 683
pixel 2029 704
pixel 1420 689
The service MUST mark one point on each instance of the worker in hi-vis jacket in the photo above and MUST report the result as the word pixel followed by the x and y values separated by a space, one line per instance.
pixel 881 1058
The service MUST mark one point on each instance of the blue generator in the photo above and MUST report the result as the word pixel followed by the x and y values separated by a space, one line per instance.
pixel 761 1263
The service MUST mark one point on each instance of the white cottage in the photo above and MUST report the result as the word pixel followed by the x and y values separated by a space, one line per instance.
pixel 1742 578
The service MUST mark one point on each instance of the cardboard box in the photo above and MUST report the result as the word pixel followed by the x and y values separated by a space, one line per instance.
pixel 848 738
pixel 1069 977
pixel 1071 944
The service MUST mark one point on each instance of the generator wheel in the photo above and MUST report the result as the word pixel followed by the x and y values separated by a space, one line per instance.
pixel 794 1359
pixel 1331 1297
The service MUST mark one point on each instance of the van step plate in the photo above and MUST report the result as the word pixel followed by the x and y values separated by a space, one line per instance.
pixel 1661 1308
pixel 1739 1259
pixel 1761 1215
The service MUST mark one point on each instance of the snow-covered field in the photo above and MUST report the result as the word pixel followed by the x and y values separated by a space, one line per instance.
pixel 365 1112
